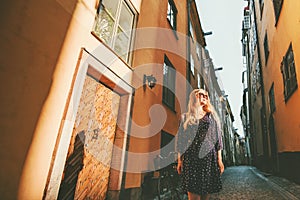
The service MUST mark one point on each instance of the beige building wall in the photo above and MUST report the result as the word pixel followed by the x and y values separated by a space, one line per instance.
pixel 42 45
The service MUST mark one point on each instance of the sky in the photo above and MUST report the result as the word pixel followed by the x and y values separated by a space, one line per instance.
pixel 224 19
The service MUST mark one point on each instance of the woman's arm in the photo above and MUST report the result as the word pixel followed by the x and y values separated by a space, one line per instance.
pixel 180 144
pixel 179 164
pixel 220 162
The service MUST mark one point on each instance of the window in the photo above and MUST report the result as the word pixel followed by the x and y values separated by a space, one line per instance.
pixel 199 81
pixel 169 75
pixel 198 51
pixel 167 146
pixel 246 22
pixel 288 71
pixel 258 76
pixel 192 34
pixel 113 25
pixel 272 99
pixel 172 14
pixel 277 8
pixel 255 81
pixel 252 38
pixel 266 48
pixel 261 3
pixel 192 64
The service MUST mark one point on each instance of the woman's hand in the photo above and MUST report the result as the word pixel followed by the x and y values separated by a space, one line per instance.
pixel 179 167
pixel 221 166
pixel 220 162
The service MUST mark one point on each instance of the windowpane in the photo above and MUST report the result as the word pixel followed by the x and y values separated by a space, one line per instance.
pixel 111 6
pixel 192 63
pixel 169 74
pixel 113 25
pixel 289 73
pixel 171 14
pixel 126 18
pixel 104 26
pixel 272 99
pixel 122 44
pixel 166 145
pixel 266 48
pixel 277 7
pixel 199 81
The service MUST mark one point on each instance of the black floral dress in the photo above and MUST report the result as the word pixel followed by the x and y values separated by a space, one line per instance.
pixel 198 145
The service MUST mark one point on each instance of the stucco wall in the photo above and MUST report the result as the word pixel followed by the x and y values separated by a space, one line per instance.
pixel 29 53
pixel 41 44
pixel 280 35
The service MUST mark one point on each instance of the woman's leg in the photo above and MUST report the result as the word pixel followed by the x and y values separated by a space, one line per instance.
pixel 193 196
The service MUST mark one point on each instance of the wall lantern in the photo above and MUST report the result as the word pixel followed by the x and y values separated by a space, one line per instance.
pixel 151 81
pixel 208 33
pixel 219 68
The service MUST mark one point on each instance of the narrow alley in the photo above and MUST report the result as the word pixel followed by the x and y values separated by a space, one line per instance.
pixel 246 182
pixel 112 99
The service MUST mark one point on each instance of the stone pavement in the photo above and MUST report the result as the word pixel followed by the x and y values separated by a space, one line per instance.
pixel 246 182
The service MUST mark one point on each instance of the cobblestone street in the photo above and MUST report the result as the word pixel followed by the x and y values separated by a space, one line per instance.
pixel 245 182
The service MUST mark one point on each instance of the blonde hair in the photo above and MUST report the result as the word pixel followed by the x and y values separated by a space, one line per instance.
pixel 190 116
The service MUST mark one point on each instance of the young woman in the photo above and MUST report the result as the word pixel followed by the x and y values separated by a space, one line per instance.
pixel 199 145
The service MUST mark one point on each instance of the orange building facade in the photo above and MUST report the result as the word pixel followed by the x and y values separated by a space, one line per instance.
pixel 98 90
pixel 274 98
pixel 160 53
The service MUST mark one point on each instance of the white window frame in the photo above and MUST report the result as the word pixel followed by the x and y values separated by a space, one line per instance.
pixel 112 40
pixel 192 64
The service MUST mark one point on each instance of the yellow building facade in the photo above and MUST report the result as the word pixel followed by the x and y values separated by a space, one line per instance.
pixel 278 36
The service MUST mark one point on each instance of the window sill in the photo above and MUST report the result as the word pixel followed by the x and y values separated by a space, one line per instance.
pixel 110 49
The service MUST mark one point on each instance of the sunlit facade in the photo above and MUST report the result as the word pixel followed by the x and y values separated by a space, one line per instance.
pixel 273 66
pixel 95 90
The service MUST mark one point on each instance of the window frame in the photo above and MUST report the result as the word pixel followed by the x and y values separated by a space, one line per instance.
pixel 289 74
pixel 198 80
pixel 172 16
pixel 168 97
pixel 277 5
pixel 165 139
pixel 261 6
pixel 272 99
pixel 192 64
pixel 266 48
pixel 111 44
